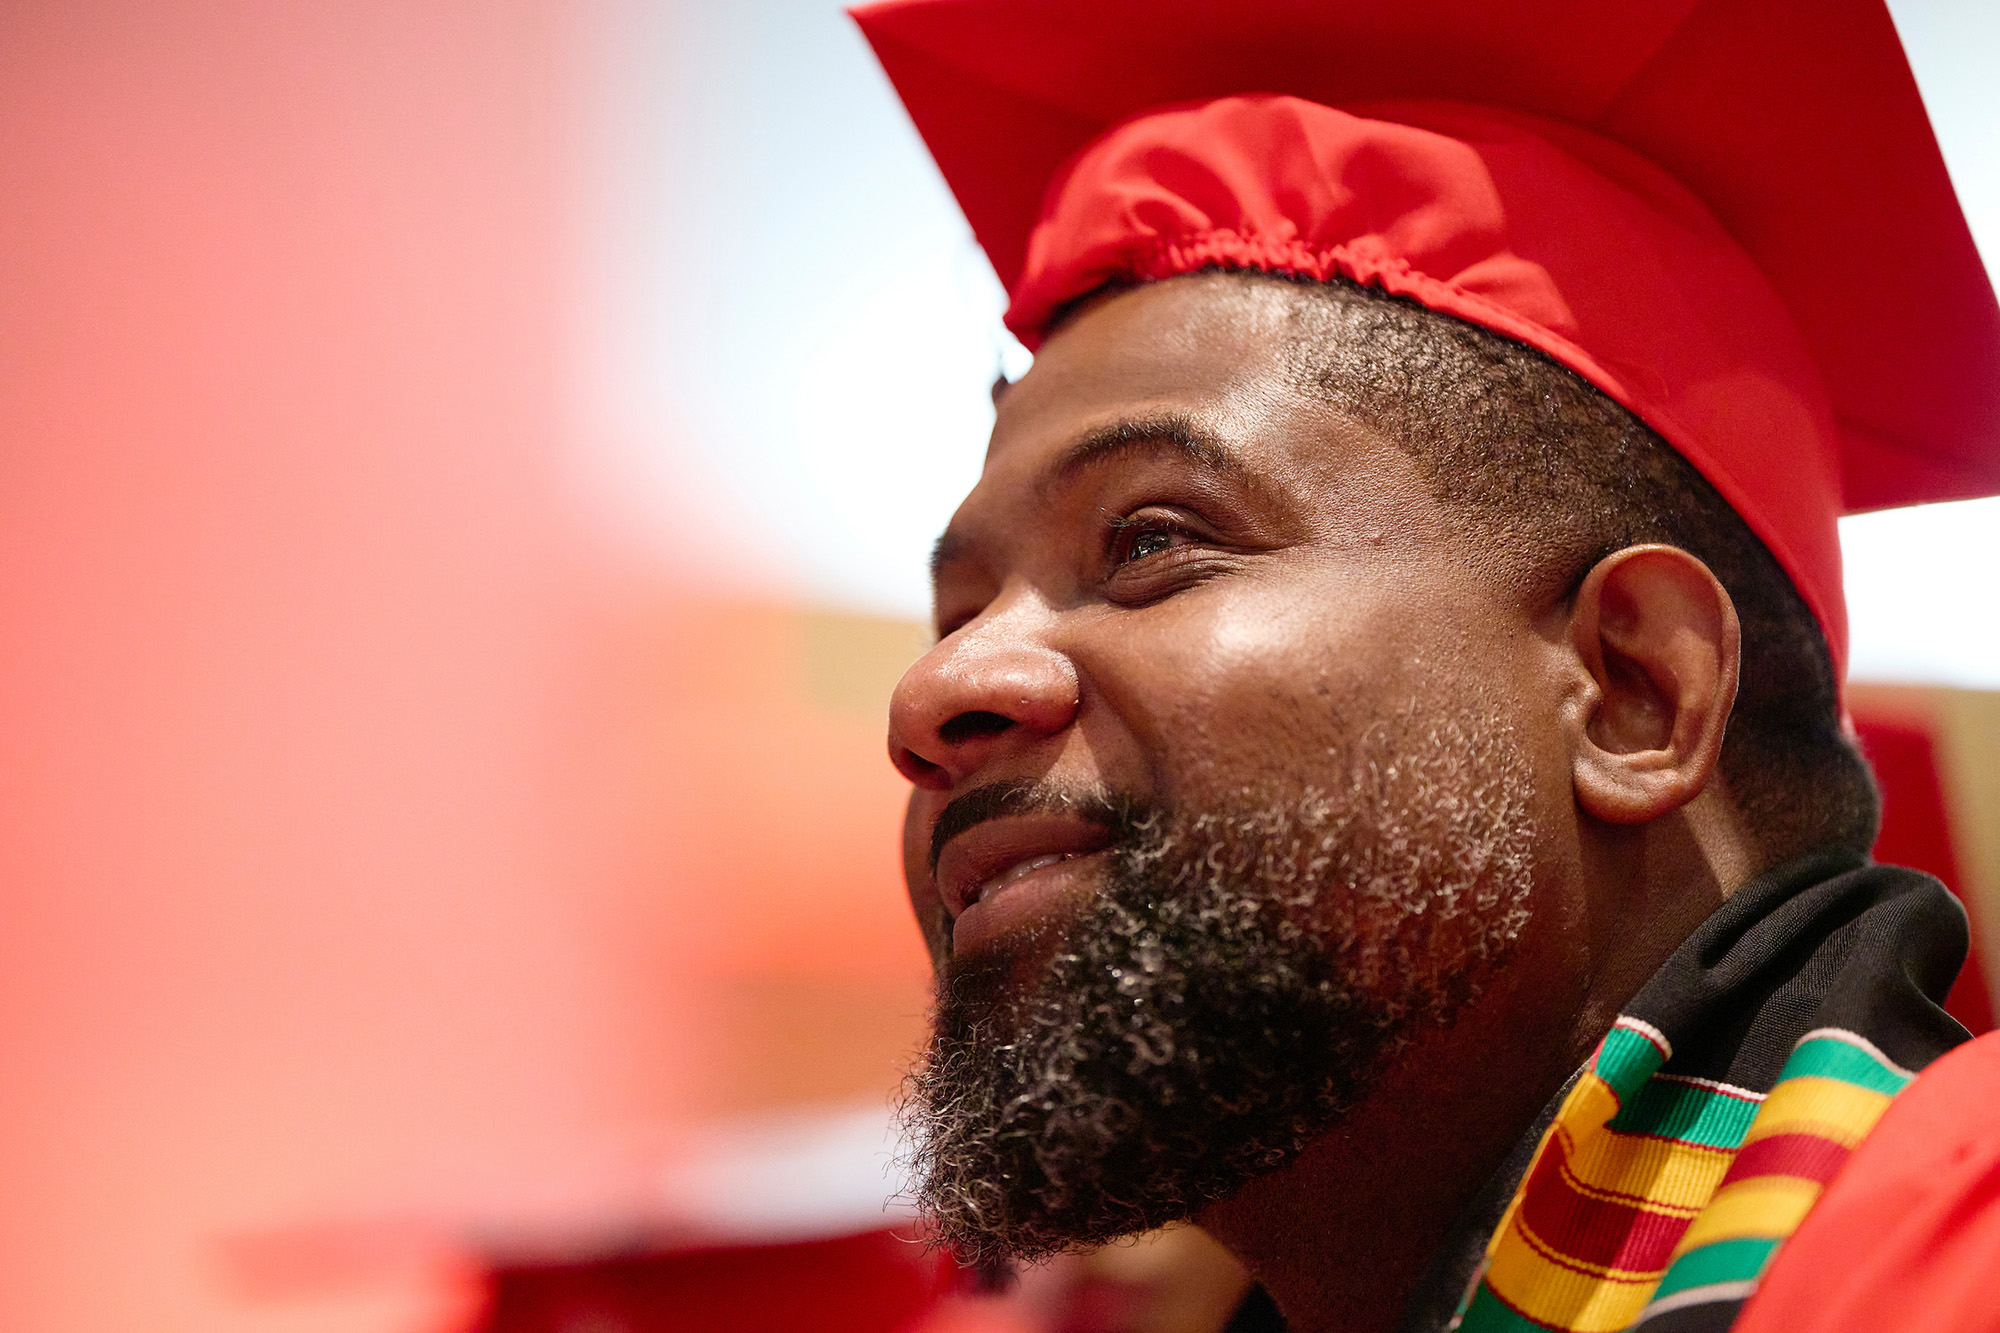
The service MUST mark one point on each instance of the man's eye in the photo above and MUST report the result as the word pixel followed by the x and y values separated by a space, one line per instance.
pixel 1150 542
pixel 1140 537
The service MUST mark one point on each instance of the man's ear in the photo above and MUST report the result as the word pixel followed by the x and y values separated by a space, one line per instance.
pixel 1657 637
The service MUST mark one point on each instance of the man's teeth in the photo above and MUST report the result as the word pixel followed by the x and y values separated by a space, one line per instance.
pixel 1015 871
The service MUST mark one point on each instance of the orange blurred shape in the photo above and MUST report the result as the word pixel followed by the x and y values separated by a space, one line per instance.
pixel 1898 731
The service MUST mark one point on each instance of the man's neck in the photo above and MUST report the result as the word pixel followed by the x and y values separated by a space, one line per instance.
pixel 1342 1235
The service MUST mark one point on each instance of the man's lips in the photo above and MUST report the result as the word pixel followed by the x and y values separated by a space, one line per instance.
pixel 989 856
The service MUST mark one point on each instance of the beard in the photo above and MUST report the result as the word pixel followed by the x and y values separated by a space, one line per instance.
pixel 1232 992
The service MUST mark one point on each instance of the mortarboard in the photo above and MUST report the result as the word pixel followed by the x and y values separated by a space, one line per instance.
pixel 1729 215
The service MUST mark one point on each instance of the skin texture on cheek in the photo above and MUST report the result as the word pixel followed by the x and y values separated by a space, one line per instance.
pixel 1271 673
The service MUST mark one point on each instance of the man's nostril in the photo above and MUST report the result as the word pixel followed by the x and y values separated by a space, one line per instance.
pixel 919 770
pixel 971 726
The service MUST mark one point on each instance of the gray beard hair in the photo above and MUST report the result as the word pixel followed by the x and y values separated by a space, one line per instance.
pixel 1231 993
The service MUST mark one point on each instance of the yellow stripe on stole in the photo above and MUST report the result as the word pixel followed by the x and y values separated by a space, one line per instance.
pixel 1585 1298
pixel 1665 1175
pixel 1762 1206
pixel 1662 1175
pixel 1588 1108
pixel 1589 1105
pixel 1828 1107
pixel 1550 1293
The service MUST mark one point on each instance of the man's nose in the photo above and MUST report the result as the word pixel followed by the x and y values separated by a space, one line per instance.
pixel 998 682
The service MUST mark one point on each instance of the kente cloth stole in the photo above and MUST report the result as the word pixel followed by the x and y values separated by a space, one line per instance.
pixel 1655 1192
pixel 1722 1101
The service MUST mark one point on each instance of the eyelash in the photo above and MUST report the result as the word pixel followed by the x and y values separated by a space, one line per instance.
pixel 1125 532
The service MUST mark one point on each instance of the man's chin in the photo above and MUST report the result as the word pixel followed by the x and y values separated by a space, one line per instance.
pixel 1146 1066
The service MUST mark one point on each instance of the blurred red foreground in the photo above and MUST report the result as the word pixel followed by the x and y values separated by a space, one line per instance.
pixel 399 883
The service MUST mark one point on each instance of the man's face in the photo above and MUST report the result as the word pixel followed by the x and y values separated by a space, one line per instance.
pixel 1224 707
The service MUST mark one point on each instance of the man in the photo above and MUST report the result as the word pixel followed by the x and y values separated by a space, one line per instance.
pixel 1380 787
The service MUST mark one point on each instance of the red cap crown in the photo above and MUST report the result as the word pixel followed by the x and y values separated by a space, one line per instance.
pixel 1592 255
pixel 1728 215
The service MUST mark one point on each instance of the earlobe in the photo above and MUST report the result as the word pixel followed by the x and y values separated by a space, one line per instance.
pixel 1657 638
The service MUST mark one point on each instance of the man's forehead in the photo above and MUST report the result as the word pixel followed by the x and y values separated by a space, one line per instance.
pixel 1185 340
pixel 1191 368
pixel 1198 374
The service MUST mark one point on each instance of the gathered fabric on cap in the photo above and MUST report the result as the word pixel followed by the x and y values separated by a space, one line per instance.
pixel 1536 230
pixel 1729 215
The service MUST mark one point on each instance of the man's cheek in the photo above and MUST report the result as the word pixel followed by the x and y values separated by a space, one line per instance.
pixel 1254 679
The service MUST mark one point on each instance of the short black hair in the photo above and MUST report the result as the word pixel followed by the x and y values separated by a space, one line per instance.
pixel 1563 476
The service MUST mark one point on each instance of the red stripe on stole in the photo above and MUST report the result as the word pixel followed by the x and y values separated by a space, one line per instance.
pixel 1596 1231
pixel 1807 1156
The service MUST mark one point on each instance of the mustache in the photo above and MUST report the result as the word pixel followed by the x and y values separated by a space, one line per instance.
pixel 1032 796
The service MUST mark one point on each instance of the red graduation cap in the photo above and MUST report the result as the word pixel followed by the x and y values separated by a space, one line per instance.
pixel 1730 215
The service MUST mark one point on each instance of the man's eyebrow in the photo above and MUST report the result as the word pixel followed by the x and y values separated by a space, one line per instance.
pixel 1170 433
